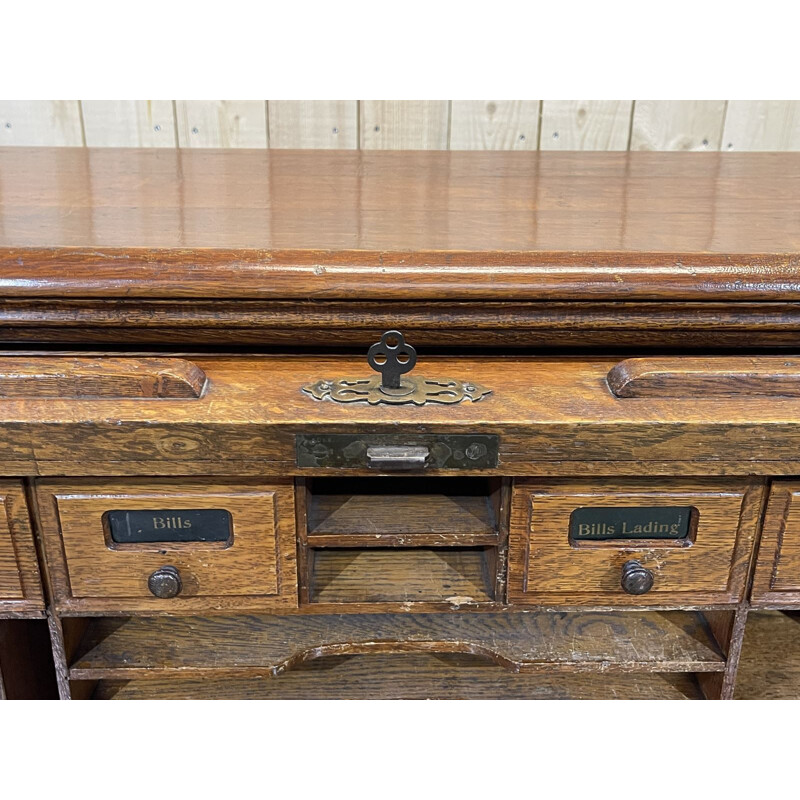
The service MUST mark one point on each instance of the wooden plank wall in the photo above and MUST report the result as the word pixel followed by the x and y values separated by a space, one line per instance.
pixel 726 125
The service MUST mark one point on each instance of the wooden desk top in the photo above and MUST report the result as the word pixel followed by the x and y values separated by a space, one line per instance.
pixel 77 222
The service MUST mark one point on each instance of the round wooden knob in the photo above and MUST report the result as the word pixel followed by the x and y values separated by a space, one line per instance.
pixel 635 578
pixel 165 582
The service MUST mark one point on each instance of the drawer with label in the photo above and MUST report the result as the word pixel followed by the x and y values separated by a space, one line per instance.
pixel 650 541
pixel 169 544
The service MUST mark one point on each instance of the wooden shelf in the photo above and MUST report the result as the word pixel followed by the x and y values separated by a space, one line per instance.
pixel 457 576
pixel 400 512
pixel 409 677
pixel 260 646
pixel 769 666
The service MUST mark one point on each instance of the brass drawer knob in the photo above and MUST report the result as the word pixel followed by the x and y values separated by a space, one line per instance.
pixel 635 578
pixel 165 582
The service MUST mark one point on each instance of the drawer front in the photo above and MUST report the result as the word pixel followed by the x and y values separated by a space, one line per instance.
pixel 225 544
pixel 776 579
pixel 20 585
pixel 576 543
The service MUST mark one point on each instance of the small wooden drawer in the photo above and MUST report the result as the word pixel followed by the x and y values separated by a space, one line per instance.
pixel 776 581
pixel 169 545
pixel 20 585
pixel 583 543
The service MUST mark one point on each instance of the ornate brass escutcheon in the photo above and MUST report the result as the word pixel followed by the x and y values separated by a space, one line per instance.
pixel 393 357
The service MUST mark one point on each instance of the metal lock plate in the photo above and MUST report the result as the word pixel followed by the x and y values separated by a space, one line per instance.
pixel 415 452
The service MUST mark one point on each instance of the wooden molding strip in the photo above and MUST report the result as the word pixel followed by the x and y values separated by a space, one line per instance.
pixel 66 377
pixel 698 377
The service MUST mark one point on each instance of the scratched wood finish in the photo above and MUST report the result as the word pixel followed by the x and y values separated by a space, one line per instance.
pixel 139 647
pixel 410 677
pixel 402 511
pixel 718 377
pixel 86 568
pixel 545 567
pixel 20 584
pixel 776 581
pixel 422 225
pixel 450 576
pixel 769 668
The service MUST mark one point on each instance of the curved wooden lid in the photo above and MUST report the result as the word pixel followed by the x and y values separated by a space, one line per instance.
pixel 77 222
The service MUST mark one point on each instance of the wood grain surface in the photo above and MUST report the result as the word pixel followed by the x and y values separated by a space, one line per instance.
pixel 139 647
pixel 547 568
pixel 776 581
pixel 552 414
pixel 20 583
pixel 259 561
pixel 658 376
pixel 430 225
pixel 100 377
pixel 769 668
pixel 410 677
pixel 451 576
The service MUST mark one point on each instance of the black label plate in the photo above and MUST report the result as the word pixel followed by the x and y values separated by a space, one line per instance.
pixel 601 523
pixel 170 525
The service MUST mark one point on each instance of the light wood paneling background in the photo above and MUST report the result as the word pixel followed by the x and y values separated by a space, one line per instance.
pixel 727 125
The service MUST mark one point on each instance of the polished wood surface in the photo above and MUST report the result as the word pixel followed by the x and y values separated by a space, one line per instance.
pixel 769 376
pixel 545 567
pixel 423 225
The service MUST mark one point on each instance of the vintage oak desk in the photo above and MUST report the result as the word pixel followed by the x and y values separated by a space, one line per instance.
pixel 586 486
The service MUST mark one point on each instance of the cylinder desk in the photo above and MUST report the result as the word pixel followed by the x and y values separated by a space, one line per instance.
pixel 298 424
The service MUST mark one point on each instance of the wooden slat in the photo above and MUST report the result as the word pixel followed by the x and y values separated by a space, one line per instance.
pixel 453 576
pixel 762 125
pixel 404 124
pixel 222 123
pixel 95 377
pixel 769 667
pixel 41 122
pixel 129 123
pixel 376 514
pixel 585 124
pixel 410 677
pixel 494 124
pixel 706 377
pixel 677 124
pixel 675 641
pixel 320 124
